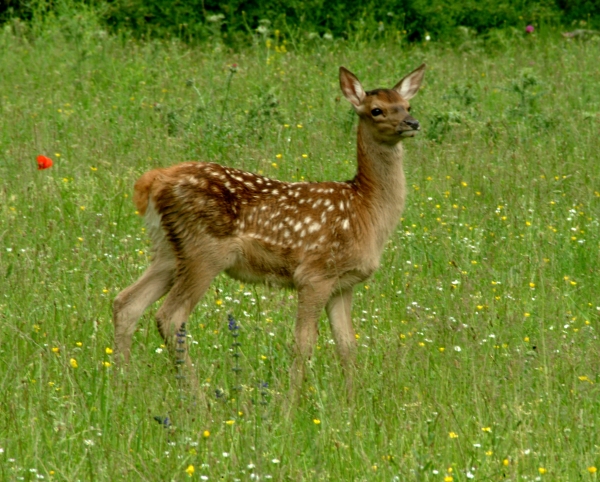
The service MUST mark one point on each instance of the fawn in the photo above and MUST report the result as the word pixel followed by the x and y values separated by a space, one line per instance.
pixel 320 238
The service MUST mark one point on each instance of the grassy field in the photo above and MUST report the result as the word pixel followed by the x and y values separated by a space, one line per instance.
pixel 478 337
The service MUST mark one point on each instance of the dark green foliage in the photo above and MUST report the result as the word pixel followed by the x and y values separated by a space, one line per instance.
pixel 233 20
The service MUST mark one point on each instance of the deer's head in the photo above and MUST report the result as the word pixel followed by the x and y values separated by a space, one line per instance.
pixel 385 111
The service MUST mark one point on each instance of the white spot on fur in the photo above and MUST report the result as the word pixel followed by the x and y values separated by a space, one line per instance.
pixel 314 227
pixel 345 224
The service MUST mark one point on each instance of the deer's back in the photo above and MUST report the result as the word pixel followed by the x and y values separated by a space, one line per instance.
pixel 264 229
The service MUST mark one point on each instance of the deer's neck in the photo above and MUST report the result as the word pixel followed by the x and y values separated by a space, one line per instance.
pixel 380 181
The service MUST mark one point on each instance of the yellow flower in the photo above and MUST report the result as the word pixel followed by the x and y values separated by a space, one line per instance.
pixel 108 350
pixel 304 156
pixel 93 168
pixel 190 470
pixel 56 350
pixel 527 315
pixel 486 429
pixel 73 362
pixel 506 462
pixel 274 164
pixel 106 364
pixel 448 478
pixel 489 453
pixel 592 469
pixel 316 421
pixel 542 470
pixel 278 156
pixel 79 344
pixel 230 422
pixel 453 435
pixel 206 434
pixel 532 285
pixel 219 302
pixel 299 126
pixel 526 339
pixel 441 349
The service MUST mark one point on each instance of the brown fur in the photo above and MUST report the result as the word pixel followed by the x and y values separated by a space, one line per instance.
pixel 318 238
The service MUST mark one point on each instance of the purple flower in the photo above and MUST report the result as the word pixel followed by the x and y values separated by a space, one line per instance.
pixel 232 325
pixel 529 29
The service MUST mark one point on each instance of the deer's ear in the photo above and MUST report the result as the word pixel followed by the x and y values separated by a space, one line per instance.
pixel 351 87
pixel 409 85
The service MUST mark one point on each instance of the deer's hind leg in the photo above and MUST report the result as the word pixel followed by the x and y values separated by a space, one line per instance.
pixel 192 280
pixel 130 304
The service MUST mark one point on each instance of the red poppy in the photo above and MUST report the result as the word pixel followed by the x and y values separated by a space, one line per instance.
pixel 44 162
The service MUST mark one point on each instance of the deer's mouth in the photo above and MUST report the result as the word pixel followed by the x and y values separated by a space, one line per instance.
pixel 409 133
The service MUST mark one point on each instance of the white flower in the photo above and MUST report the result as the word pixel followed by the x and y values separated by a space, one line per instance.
pixel 470 475
pixel 275 461
pixel 251 466
pixel 225 454
pixel 89 442
pixel 159 350
pixel 457 348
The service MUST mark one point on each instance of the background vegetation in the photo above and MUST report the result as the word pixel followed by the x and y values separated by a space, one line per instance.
pixel 478 337
pixel 236 20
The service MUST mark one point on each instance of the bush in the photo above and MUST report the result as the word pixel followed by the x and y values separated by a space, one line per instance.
pixel 193 20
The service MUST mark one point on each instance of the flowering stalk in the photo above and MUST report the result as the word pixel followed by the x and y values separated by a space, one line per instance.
pixel 234 330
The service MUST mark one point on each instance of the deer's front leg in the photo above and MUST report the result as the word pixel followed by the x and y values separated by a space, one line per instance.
pixel 339 309
pixel 311 301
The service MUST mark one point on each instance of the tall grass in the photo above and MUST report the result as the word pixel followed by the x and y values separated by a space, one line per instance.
pixel 478 350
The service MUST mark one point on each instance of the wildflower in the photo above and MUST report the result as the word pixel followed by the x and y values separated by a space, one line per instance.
pixel 108 350
pixel 506 462
pixel 56 350
pixel 526 339
pixel 486 429
pixel 43 162
pixel 275 461
pixel 441 349
pixel 73 362
pixel 106 364
pixel 232 324
pixel 489 453
pixel 219 302
pixel 230 422
pixel 529 29
pixel 206 434
pixel 304 156
pixel 190 470
pixel 542 470
pixel 453 435
pixel 278 156
pixel 592 469
pixel 316 421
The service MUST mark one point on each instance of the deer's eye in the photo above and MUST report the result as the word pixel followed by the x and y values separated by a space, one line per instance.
pixel 408 108
pixel 376 112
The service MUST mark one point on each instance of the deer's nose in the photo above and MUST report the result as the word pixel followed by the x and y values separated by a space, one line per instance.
pixel 414 123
